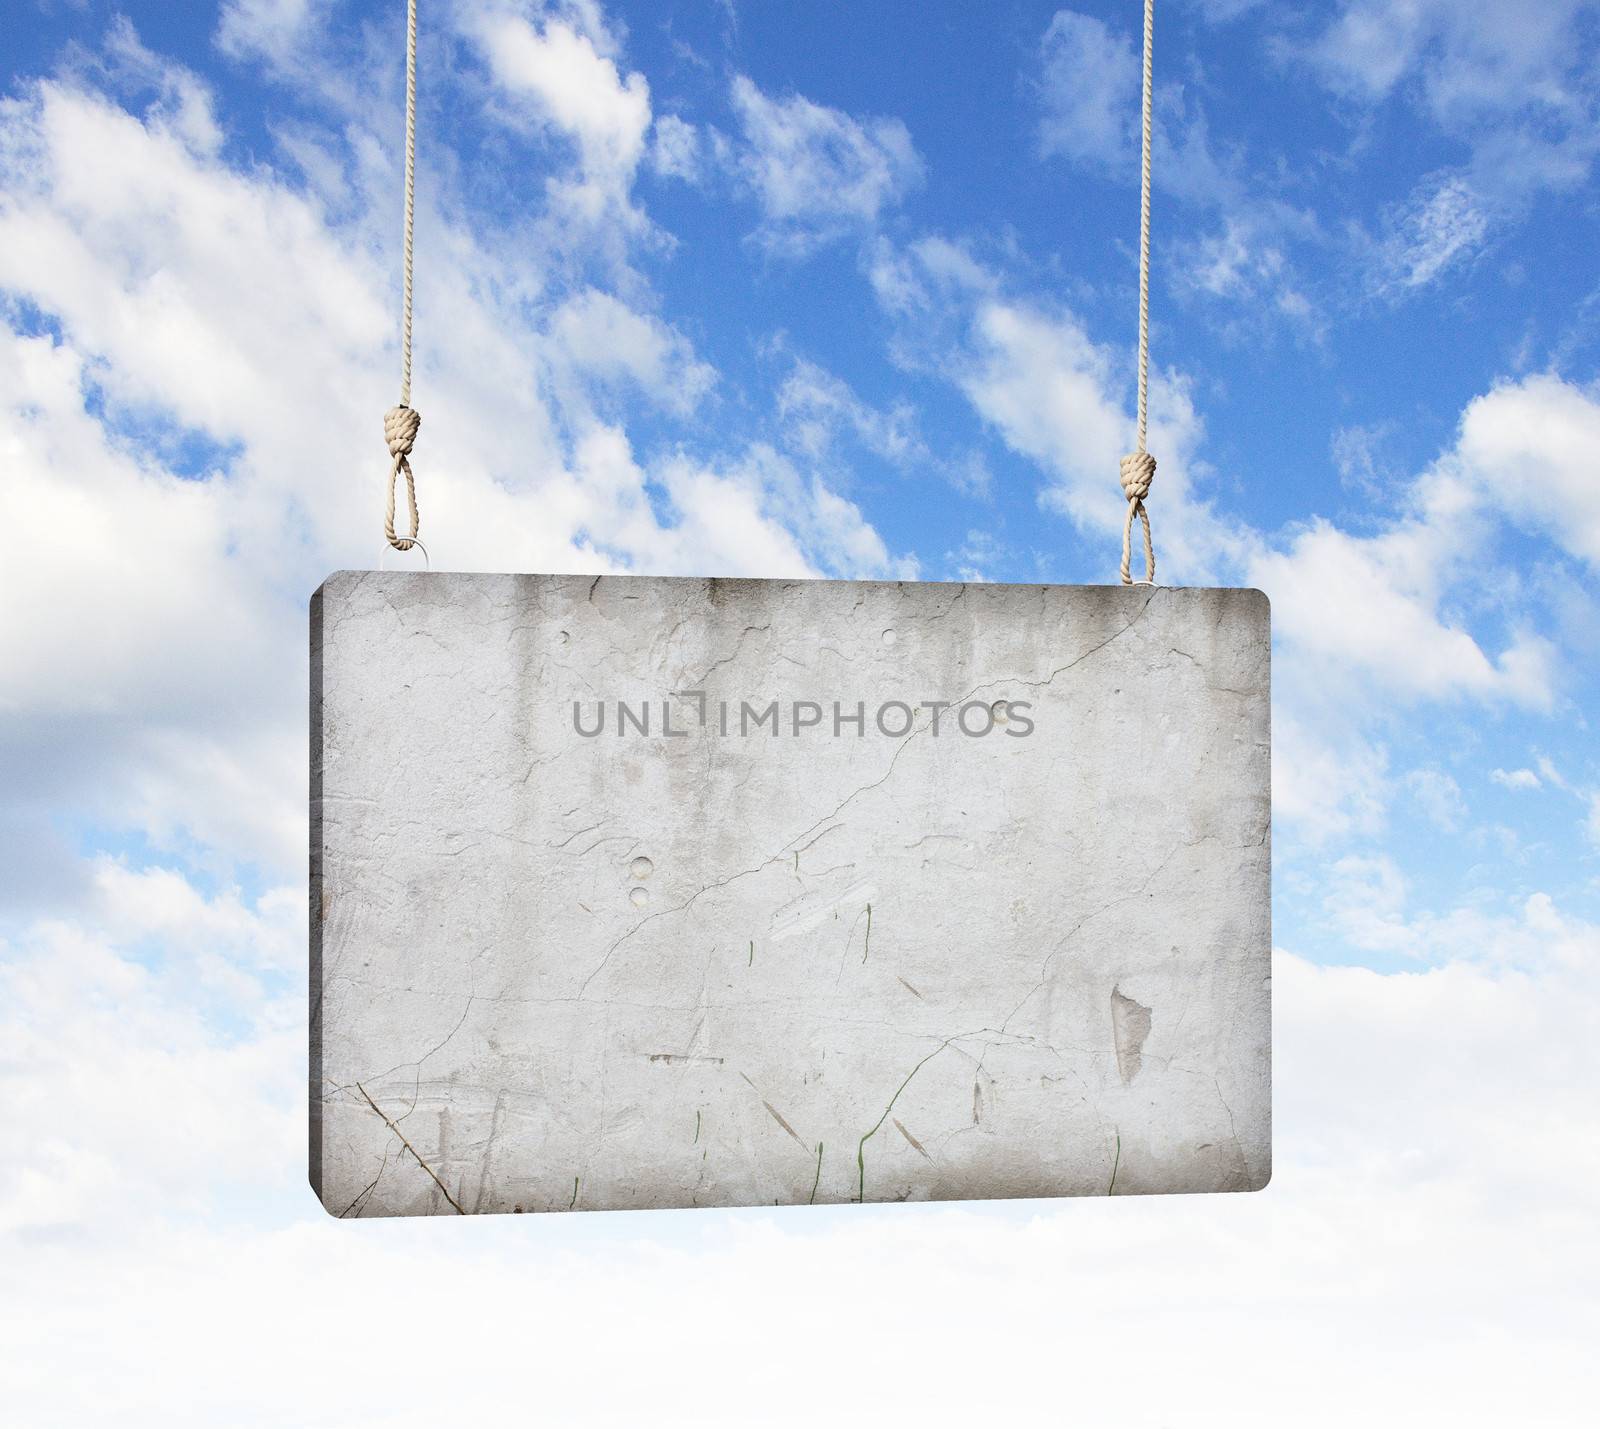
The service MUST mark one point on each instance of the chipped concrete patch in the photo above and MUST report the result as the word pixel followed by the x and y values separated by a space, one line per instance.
pixel 1130 1025
pixel 637 892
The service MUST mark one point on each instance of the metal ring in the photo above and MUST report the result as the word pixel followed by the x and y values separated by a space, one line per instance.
pixel 427 563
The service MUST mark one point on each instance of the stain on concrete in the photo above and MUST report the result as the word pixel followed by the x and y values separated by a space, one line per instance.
pixel 1130 1026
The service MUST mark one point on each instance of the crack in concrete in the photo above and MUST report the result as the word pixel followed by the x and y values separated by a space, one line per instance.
pixel 727 659
pixel 367 1191
pixel 861 1146
pixel 412 1149
pixel 850 798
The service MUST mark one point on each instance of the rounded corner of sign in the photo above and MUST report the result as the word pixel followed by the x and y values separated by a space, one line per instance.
pixel 334 582
pixel 1260 601
pixel 318 1190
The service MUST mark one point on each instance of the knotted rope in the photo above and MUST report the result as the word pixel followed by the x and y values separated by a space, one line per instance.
pixel 1139 467
pixel 1138 470
pixel 401 424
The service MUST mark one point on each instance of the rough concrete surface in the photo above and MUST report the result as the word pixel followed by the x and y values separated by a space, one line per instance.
pixel 555 969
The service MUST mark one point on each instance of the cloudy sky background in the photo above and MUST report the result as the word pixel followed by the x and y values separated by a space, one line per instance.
pixel 837 289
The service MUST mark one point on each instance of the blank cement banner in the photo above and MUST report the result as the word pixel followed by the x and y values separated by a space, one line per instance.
pixel 635 892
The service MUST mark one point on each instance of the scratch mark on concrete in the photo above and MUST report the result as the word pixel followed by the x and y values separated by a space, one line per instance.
pixel 812 1200
pixel 777 1116
pixel 497 1124
pixel 916 1145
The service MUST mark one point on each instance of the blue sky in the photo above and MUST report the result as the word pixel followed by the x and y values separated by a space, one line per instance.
pixel 723 288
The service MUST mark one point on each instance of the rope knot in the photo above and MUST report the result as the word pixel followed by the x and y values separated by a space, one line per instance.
pixel 1138 471
pixel 400 427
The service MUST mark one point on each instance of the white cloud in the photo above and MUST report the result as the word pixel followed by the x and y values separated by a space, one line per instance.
pixel 1530 448
pixel 271 29
pixel 1358 453
pixel 1440 226
pixel 675 148
pixel 1245 262
pixel 978 550
pixel 1041 381
pixel 559 71
pixel 1367 901
pixel 221 933
pixel 1472 61
pixel 1056 397
pixel 1370 44
pixel 814 406
pixel 1088 92
pixel 1370 605
pixel 1416 609
pixel 131 1104
pixel 1506 82
pixel 1220 12
pixel 1514 778
pixel 1328 781
pixel 1088 89
pixel 603 337
pixel 152 1076
pixel 926 280
pixel 123 573
pixel 724 513
pixel 199 309
pixel 816 171
pixel 1368 625
pixel 1551 774
pixel 1510 82
pixel 1428 1131
pixel 1438 796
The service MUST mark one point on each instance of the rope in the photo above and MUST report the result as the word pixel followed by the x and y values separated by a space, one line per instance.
pixel 1139 467
pixel 400 424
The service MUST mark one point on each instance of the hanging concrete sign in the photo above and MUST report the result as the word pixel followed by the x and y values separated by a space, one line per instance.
pixel 631 892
